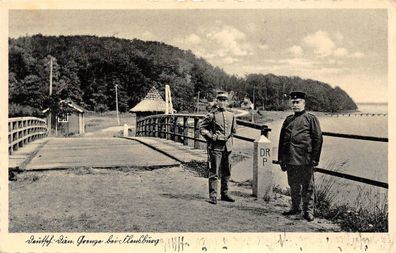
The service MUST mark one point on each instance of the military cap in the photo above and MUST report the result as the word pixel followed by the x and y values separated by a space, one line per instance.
pixel 222 94
pixel 297 95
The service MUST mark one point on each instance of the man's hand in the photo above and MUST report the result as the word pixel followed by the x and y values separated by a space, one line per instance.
pixel 222 138
pixel 283 166
pixel 315 163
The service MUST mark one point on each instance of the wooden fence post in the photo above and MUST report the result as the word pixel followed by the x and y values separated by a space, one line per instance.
pixel 167 122
pixel 175 129
pixel 156 127
pixel 151 127
pixel 185 130
pixel 10 136
pixel 145 127
pixel 196 133
pixel 162 127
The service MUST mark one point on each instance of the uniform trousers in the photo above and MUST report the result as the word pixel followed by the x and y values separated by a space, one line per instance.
pixel 301 182
pixel 220 167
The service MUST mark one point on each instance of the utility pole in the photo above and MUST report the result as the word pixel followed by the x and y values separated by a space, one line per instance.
pixel 118 118
pixel 50 79
pixel 254 100
pixel 168 100
pixel 50 94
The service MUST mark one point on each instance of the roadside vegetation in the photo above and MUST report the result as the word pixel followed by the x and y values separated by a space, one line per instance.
pixel 367 213
pixel 17 110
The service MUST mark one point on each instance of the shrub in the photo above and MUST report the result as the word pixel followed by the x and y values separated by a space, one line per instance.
pixel 16 110
pixel 368 213
pixel 325 193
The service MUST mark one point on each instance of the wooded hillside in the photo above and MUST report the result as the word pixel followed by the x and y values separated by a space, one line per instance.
pixel 87 68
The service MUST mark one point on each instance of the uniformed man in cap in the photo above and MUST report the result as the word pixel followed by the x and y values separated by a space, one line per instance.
pixel 300 145
pixel 217 128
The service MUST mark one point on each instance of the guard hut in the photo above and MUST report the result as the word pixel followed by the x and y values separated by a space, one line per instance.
pixel 152 104
pixel 69 122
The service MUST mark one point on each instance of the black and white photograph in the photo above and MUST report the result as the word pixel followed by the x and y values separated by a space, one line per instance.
pixel 197 129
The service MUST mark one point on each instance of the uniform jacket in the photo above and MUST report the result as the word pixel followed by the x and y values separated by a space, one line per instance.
pixel 300 141
pixel 217 128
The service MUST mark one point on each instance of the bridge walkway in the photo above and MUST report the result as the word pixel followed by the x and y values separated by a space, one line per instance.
pixel 103 152
pixel 175 150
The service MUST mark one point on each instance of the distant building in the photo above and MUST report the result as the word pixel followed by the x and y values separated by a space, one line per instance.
pixel 151 104
pixel 70 122
pixel 247 104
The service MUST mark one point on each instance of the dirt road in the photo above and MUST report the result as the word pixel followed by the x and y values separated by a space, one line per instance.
pixel 132 200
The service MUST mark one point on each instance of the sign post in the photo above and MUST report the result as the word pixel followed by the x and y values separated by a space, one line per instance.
pixel 262 166
pixel 126 130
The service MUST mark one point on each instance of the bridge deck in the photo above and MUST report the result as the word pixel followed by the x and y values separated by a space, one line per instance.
pixel 62 153
pixel 177 151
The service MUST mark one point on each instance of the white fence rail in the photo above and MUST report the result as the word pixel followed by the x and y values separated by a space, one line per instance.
pixel 23 130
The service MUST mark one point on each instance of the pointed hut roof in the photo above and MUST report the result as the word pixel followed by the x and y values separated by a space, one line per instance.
pixel 68 103
pixel 152 102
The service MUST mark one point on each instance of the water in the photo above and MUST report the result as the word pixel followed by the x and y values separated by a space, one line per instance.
pixel 363 158
pixel 368 159
pixel 373 107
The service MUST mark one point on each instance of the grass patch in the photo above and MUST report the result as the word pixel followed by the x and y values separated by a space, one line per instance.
pixel 200 168
pixel 197 167
pixel 325 192
pixel 369 213
pixel 29 177
pixel 278 189
pixel 81 171
pixel 96 121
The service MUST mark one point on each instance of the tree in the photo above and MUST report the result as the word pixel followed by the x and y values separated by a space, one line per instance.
pixel 86 68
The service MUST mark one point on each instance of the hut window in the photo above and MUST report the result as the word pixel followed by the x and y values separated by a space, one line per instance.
pixel 63 117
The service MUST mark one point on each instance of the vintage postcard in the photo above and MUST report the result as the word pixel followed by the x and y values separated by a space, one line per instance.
pixel 197 126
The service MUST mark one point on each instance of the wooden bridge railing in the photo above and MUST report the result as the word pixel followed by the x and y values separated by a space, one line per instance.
pixel 175 127
pixel 171 127
pixel 23 130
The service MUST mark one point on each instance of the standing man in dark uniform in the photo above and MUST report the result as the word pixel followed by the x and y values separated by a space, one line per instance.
pixel 217 128
pixel 300 145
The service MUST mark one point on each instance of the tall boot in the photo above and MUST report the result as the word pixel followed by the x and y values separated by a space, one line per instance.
pixel 213 190
pixel 224 190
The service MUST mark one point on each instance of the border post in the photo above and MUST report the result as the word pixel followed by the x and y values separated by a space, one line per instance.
pixel 262 166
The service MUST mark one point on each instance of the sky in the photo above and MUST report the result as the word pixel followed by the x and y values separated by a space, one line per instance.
pixel 345 48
